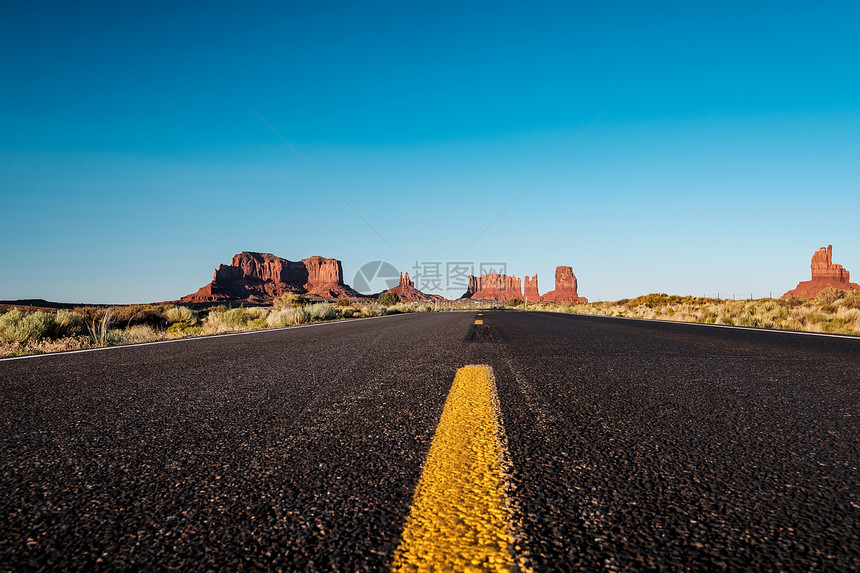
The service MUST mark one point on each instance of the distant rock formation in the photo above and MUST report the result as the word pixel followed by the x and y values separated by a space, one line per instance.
pixel 504 287
pixel 530 289
pixel 565 287
pixel 406 290
pixel 824 274
pixel 494 287
pixel 260 277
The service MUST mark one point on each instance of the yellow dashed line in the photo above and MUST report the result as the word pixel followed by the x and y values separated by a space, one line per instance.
pixel 458 520
pixel 479 322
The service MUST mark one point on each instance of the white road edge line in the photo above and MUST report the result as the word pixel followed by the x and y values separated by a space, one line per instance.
pixel 195 338
pixel 750 328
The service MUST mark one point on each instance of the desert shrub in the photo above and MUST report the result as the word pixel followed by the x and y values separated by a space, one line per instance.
pixel 373 309
pixel 850 300
pixel 99 329
pixel 726 320
pixel 342 302
pixel 180 329
pixel 321 311
pixel 388 298
pixel 130 315
pixel 814 318
pixel 16 326
pixel 181 314
pixel 133 334
pixel 68 323
pixel 515 302
pixel 287 300
pixel 229 319
pixel 89 313
pixel 829 295
pixel 290 316
pixel 257 312
pixel 651 300
pixel 747 319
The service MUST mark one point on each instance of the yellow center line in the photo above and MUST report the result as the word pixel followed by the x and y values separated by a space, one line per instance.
pixel 458 520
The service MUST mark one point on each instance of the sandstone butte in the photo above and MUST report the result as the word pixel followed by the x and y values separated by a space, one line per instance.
pixel 503 287
pixel 260 277
pixel 824 274
pixel 406 290
pixel 565 287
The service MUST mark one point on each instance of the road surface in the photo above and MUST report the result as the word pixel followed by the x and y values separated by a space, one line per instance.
pixel 627 445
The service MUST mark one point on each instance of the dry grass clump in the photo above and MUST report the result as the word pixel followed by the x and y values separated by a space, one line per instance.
pixel 290 316
pixel 181 314
pixel 832 311
pixel 44 345
pixel 222 319
pixel 288 300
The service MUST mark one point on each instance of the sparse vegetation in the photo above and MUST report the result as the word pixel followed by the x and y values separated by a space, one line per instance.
pixel 833 311
pixel 15 326
pixel 288 300
pixel 181 314
pixel 388 298
pixel 39 331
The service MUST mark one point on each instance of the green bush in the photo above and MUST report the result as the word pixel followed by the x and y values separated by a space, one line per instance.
pixel 343 302
pixel 321 311
pixel 184 329
pixel 181 314
pixel 16 326
pixel 389 298
pixel 68 323
pixel 288 317
pixel 228 319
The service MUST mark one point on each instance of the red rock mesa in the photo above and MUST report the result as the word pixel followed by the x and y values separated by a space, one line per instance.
pixel 406 290
pixel 504 287
pixel 824 274
pixel 530 289
pixel 260 277
pixel 565 287
pixel 494 287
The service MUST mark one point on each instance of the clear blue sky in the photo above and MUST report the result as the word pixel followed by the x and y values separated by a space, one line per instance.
pixel 726 148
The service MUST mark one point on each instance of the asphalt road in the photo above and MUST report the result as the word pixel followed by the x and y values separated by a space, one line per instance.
pixel 634 445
